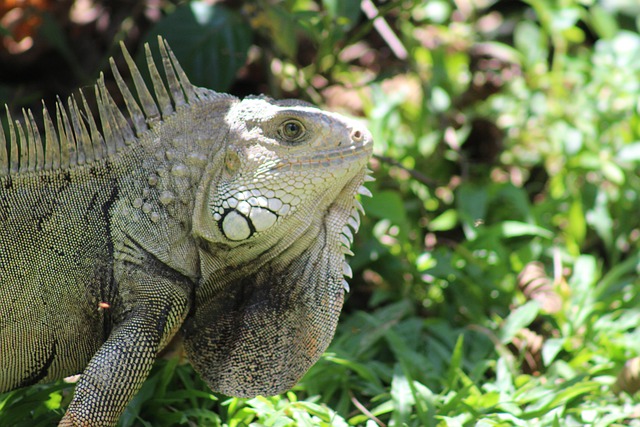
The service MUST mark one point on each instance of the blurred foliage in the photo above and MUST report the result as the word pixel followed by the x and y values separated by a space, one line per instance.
pixel 496 272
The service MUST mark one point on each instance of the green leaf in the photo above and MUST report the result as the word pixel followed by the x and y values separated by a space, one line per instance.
pixel 455 367
pixel 531 42
pixel 518 319
pixel 402 397
pixel 519 229
pixel 386 205
pixel 613 173
pixel 629 153
pixel 600 218
pixel 281 26
pixel 425 261
pixel 565 18
pixel 550 350
pixel 603 22
pixel 52 31
pixel 344 12
pixel 210 41
pixel 576 224
pixel 445 221
pixel 472 201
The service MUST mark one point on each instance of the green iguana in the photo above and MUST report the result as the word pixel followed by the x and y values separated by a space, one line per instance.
pixel 221 221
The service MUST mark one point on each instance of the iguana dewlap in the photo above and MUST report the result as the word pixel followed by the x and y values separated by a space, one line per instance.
pixel 220 220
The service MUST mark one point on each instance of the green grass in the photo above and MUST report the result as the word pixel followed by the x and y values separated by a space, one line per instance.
pixel 496 272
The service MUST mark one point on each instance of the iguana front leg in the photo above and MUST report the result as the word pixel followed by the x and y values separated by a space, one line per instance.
pixel 155 308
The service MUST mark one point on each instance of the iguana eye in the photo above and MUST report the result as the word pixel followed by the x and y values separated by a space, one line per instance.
pixel 291 130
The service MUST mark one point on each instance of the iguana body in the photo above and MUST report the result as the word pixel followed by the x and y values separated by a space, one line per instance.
pixel 222 221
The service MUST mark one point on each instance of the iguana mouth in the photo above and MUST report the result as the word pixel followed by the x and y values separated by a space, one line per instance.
pixel 357 155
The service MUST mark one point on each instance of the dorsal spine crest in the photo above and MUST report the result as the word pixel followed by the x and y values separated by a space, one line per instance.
pixel 75 138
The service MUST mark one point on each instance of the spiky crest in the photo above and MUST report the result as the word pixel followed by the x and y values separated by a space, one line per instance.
pixel 77 139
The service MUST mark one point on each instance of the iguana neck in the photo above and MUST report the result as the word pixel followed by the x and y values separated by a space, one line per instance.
pixel 263 316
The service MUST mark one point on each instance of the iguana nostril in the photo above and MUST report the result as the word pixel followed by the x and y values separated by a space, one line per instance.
pixel 357 135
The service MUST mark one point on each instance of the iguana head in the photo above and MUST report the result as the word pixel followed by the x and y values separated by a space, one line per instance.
pixel 279 157
pixel 275 220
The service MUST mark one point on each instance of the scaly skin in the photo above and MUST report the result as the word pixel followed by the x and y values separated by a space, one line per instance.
pixel 221 221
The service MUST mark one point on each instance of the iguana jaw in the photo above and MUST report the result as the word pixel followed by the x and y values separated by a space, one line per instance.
pixel 335 213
